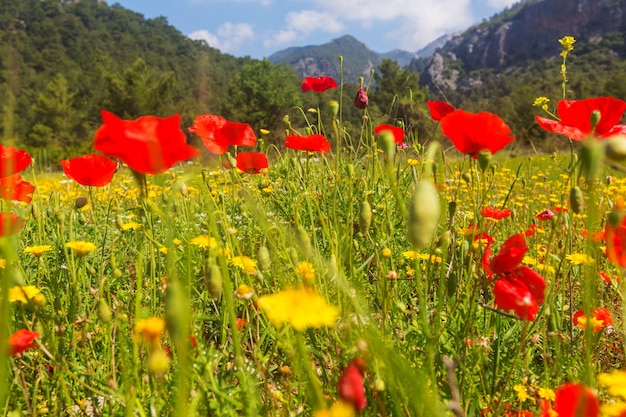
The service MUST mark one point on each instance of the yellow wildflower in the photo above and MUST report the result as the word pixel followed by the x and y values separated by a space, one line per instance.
pixel 412 162
pixel 300 308
pixel 151 329
pixel 567 42
pixel 579 259
pixel 24 294
pixel 264 131
pixel 225 252
pixel 177 242
pixel 204 242
pixel 244 292
pixel 3 263
pixel 38 250
pixel 615 382
pixel 81 248
pixel 130 226
pixel 546 394
pixel 247 264
pixel 541 102
pixel 306 271
pixel 163 250
pixel 522 394
pixel 386 253
pixel 338 409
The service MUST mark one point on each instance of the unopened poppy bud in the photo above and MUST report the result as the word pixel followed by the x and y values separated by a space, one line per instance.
pixel 466 177
pixel 104 311
pixel 484 159
pixel 452 283
pixel 263 258
pixel 286 120
pixel 213 281
pixel 424 211
pixel 293 255
pixel 387 143
pixel 303 241
pixel 80 202
pixel 333 105
pixel 451 209
pixel 182 188
pixel 576 200
pixel 34 211
pixel 361 101
pixel 365 217
pixel 158 363
pixel 595 119
pixel 616 148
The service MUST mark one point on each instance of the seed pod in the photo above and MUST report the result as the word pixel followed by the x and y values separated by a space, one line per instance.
pixel 484 159
pixel 263 258
pixel 452 284
pixel 293 255
pixel 576 200
pixel 104 311
pixel 424 211
pixel 303 241
pixel 80 202
pixel 466 177
pixel 365 217
pixel 213 281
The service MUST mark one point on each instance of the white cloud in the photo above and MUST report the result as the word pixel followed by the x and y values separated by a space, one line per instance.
pixel 304 22
pixel 228 38
pixel 501 4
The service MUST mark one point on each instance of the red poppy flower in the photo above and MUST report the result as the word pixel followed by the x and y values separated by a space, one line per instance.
pixel 149 144
pixel 574 400
pixel 251 162
pixel 439 109
pixel 600 318
pixel 575 118
pixel 518 287
pixel 13 188
pixel 218 134
pixel 545 215
pixel 351 386
pixel 21 341
pixel 240 323
pixel 609 278
pixel 615 238
pixel 398 132
pixel 495 213
pixel 90 169
pixel 318 84
pixel 471 133
pixel 311 143
pixel 10 223
pixel 13 160
pixel 361 101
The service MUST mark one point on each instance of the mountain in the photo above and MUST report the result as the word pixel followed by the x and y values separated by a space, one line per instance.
pixel 524 33
pixel 358 59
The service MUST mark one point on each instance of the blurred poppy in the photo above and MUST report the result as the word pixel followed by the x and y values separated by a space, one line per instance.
pixel 518 287
pixel 574 400
pixel 439 109
pixel 545 215
pixel 311 143
pixel 13 188
pixel 218 134
pixel 13 160
pixel 398 132
pixel 471 133
pixel 251 162
pixel 351 386
pixel 615 238
pixel 576 115
pixel 599 319
pixel 318 84
pixel 495 213
pixel 361 101
pixel 90 169
pixel 21 341
pixel 148 145
pixel 10 223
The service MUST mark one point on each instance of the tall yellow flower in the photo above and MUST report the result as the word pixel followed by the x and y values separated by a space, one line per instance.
pixel 300 308
pixel 204 242
pixel 151 329
pixel 37 250
pixel 24 294
pixel 247 264
pixel 306 272
pixel 81 248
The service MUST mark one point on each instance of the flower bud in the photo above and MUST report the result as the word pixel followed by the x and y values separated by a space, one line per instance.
pixel 80 202
pixel 387 143
pixel 104 311
pixel 361 101
pixel 158 363
pixel 424 211
pixel 484 159
pixel 213 281
pixel 576 200
pixel 333 105
pixel 303 241
pixel 263 258
pixel 365 217
pixel 616 148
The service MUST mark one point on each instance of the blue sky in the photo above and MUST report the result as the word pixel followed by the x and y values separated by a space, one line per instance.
pixel 260 27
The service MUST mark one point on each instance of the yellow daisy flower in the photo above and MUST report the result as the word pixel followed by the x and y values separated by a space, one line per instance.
pixel 300 308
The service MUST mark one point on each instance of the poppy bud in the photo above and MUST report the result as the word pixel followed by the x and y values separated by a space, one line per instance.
pixel 213 281
pixel 484 159
pixel 303 241
pixel 451 209
pixel 595 118
pixel 182 188
pixel 80 202
pixel 293 255
pixel 104 311
pixel 34 211
pixel 466 177
pixel 387 143
pixel 452 284
pixel 616 148
pixel 424 211
pixel 351 387
pixel 361 101
pixel 263 258
pixel 576 200
pixel 365 217
pixel 158 363
pixel 333 105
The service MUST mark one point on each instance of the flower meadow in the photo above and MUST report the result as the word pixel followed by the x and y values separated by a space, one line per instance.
pixel 332 276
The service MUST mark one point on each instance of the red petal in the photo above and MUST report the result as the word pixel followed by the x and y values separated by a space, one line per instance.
pixel 576 400
pixel 470 133
pixel 511 254
pixel 398 132
pixel 13 160
pixel 251 162
pixel 318 84
pixel 90 169
pixel 311 143
pixel 439 109
pixel 351 387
